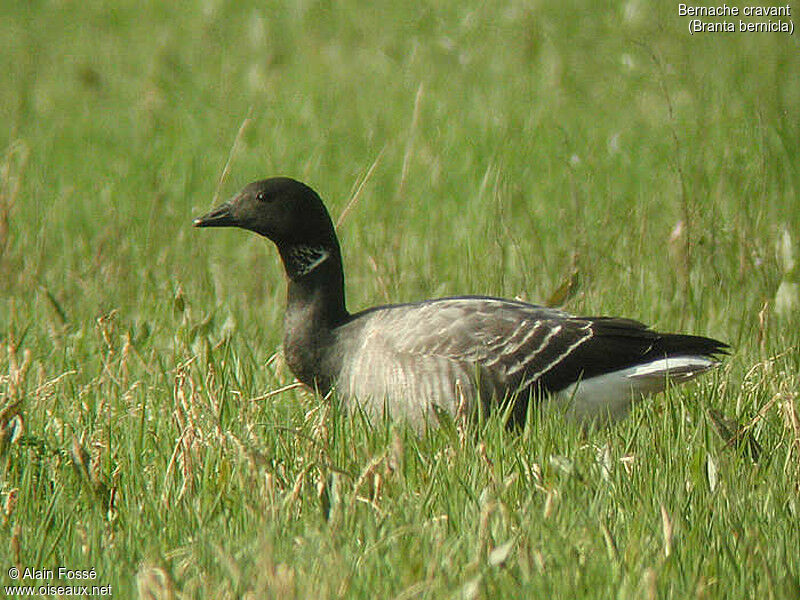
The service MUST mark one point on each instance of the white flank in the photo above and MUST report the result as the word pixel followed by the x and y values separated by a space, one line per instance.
pixel 608 397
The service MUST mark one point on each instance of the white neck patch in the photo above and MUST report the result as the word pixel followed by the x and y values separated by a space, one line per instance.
pixel 304 259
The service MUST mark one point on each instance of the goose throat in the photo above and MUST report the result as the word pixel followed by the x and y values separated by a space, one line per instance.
pixel 302 259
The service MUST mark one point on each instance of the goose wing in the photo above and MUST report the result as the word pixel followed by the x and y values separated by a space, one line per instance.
pixel 408 357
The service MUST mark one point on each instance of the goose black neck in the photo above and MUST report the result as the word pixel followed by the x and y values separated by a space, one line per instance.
pixel 315 283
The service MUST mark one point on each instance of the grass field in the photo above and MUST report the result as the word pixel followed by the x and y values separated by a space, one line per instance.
pixel 505 150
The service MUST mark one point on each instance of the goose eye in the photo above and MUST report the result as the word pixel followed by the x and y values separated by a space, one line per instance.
pixel 262 197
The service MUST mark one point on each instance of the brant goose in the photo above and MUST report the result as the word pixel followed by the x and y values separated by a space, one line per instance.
pixel 413 360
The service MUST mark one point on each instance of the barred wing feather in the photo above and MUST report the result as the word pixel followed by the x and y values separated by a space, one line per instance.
pixel 454 350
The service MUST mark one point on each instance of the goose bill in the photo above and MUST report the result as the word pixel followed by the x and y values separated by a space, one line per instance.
pixel 219 217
